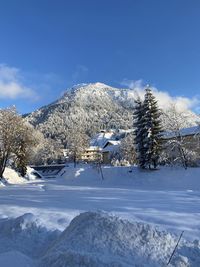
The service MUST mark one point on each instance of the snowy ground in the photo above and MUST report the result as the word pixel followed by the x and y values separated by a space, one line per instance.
pixel 169 199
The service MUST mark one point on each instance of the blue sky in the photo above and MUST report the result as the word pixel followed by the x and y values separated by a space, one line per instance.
pixel 48 45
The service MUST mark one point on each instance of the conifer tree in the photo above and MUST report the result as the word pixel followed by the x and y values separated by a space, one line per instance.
pixel 21 161
pixel 152 130
pixel 139 132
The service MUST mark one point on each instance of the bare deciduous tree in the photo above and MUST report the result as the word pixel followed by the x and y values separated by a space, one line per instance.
pixel 15 139
pixel 46 151
pixel 176 148
pixel 127 149
pixel 77 142
pixel 24 142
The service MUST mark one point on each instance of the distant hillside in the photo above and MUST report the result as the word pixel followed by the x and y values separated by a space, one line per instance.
pixel 91 107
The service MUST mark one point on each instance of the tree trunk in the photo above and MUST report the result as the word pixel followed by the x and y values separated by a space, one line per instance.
pixel 3 165
pixel 183 158
pixel 75 162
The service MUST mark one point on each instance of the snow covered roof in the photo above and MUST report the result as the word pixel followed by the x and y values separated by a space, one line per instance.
pixel 112 142
pixel 126 131
pixel 183 132
pixel 112 136
pixel 114 146
pixel 101 139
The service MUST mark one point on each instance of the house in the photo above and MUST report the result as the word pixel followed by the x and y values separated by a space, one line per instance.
pixel 104 144
pixel 193 132
pixel 94 151
pixel 110 148
pixel 91 154
pixel 189 137
pixel 108 143
pixel 100 139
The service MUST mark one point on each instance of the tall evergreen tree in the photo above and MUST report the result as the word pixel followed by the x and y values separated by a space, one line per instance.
pixel 21 161
pixel 152 130
pixel 139 132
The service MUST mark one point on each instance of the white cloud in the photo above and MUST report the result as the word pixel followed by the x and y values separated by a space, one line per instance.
pixel 164 99
pixel 11 84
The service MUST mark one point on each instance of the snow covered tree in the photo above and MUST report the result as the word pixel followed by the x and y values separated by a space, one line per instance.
pixel 127 149
pixel 96 106
pixel 8 128
pixel 177 148
pixel 21 160
pixel 152 129
pixel 77 142
pixel 24 142
pixel 46 151
pixel 14 139
pixel 138 124
pixel 148 130
pixel 174 118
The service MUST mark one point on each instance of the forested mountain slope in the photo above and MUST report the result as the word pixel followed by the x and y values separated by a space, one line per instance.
pixel 89 108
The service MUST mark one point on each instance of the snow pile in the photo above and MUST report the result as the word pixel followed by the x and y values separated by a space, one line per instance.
pixel 31 174
pixel 97 239
pixel 93 239
pixel 26 235
pixel 12 177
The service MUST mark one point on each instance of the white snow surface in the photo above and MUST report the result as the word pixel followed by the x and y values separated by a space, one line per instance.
pixel 96 239
pixel 143 215
pixel 10 176
pixel 93 239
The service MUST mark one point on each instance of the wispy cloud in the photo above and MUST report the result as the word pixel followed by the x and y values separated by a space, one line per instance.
pixel 164 98
pixel 12 84
pixel 80 73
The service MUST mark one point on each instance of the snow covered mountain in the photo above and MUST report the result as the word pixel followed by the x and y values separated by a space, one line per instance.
pixel 91 107
pixel 88 106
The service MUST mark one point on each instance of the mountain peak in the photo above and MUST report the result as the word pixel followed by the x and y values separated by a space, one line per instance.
pixel 85 87
pixel 89 85
pixel 99 84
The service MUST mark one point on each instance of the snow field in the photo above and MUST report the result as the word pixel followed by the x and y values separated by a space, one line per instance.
pixel 93 239
pixel 150 210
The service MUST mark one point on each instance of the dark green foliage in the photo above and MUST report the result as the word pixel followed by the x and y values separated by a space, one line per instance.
pixel 21 159
pixel 148 131
pixel 153 129
pixel 139 132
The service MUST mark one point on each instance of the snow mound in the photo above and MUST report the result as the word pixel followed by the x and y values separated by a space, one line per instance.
pixel 30 175
pixel 98 239
pixel 12 177
pixel 25 234
pixel 93 239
